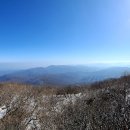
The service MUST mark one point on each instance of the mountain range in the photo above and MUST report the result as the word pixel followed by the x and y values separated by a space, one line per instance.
pixel 62 75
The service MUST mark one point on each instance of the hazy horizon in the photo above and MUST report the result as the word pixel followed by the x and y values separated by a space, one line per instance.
pixel 18 66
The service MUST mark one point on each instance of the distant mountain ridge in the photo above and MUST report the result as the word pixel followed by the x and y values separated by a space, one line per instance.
pixel 63 75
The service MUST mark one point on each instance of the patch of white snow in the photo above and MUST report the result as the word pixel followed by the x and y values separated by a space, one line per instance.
pixel 3 111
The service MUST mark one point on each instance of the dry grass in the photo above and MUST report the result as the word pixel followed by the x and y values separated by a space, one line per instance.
pixel 101 106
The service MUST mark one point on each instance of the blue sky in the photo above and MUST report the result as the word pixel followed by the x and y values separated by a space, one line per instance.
pixel 64 31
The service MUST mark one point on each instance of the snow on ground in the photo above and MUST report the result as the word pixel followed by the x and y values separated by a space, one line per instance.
pixel 3 111
pixel 64 100
pixel 32 122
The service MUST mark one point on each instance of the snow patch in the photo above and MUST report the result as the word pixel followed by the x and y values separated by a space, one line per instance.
pixel 3 111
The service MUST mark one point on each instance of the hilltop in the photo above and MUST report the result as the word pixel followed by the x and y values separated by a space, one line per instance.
pixel 99 106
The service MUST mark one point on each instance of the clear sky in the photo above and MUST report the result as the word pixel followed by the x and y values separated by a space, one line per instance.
pixel 64 31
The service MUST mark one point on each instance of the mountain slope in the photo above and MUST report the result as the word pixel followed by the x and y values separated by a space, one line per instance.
pixel 100 106
pixel 63 75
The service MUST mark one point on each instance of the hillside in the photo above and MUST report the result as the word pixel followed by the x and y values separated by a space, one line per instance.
pixel 64 75
pixel 99 106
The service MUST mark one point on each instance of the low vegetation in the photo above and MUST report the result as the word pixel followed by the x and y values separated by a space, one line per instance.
pixel 99 106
